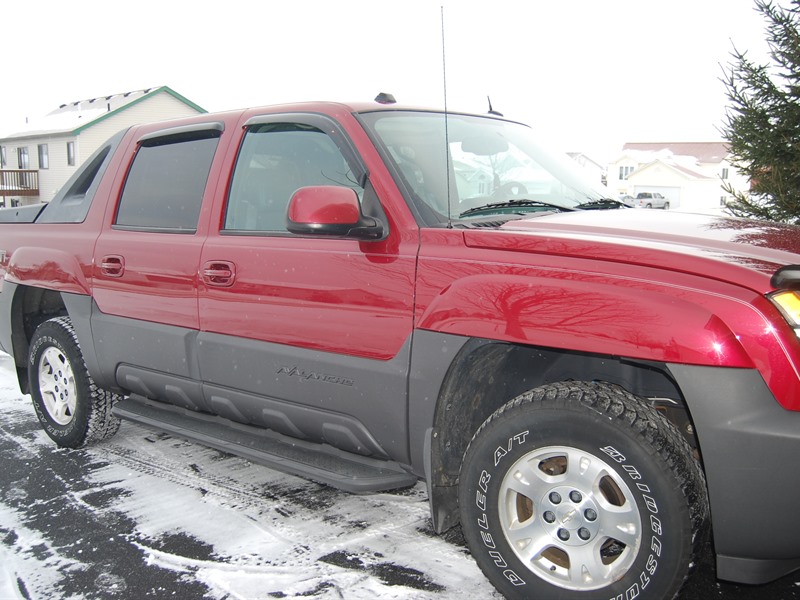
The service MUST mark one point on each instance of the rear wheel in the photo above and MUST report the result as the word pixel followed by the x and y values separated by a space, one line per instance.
pixel 72 410
pixel 582 490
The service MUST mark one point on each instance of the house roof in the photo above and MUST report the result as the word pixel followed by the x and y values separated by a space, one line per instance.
pixel 583 159
pixel 682 170
pixel 71 118
pixel 704 152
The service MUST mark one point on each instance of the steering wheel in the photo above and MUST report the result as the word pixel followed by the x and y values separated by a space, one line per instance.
pixel 513 189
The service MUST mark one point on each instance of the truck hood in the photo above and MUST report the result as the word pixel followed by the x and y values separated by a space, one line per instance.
pixel 738 251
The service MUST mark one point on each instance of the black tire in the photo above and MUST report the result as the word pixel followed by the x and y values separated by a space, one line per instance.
pixel 582 491
pixel 72 410
pixel 666 205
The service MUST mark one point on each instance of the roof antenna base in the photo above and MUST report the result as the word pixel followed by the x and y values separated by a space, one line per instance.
pixel 384 98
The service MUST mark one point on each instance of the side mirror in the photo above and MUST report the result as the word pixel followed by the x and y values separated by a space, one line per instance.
pixel 330 211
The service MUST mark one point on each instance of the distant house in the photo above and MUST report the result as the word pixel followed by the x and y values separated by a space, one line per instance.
pixel 689 174
pixel 594 170
pixel 39 158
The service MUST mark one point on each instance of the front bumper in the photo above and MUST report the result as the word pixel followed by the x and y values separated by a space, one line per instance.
pixel 750 449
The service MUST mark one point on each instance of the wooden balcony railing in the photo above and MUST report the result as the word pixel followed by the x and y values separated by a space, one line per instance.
pixel 19 182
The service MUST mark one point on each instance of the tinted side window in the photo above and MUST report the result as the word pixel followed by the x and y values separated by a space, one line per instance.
pixel 274 161
pixel 165 185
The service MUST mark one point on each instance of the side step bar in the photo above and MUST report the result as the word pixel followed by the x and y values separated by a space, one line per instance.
pixel 318 462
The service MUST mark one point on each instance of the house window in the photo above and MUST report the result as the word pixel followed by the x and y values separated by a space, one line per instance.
pixel 624 172
pixel 71 154
pixel 725 172
pixel 44 157
pixel 23 162
pixel 2 157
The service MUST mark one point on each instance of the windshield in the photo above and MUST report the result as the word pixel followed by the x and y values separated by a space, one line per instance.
pixel 495 167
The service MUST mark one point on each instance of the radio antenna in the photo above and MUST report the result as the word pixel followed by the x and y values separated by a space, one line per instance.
pixel 446 131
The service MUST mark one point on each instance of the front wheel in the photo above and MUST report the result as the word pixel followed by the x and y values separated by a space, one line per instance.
pixel 72 410
pixel 582 491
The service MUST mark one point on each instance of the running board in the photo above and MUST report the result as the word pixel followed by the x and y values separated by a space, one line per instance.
pixel 318 462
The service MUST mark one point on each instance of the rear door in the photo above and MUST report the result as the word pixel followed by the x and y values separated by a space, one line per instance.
pixel 145 266
pixel 309 337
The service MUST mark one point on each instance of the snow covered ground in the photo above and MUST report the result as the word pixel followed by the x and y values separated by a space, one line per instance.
pixel 148 515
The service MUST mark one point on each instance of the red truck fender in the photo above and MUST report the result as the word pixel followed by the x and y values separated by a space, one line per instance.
pixel 587 315
pixel 47 268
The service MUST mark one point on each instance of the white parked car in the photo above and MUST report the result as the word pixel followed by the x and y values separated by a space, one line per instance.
pixel 650 200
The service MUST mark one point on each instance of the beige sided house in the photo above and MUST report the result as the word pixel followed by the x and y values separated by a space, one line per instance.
pixel 38 159
pixel 690 175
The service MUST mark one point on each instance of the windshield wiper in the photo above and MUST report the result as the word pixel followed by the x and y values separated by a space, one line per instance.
pixel 519 203
pixel 600 204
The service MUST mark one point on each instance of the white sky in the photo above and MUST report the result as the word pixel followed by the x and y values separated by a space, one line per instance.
pixel 590 74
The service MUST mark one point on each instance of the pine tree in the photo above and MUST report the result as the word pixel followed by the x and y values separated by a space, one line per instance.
pixel 762 125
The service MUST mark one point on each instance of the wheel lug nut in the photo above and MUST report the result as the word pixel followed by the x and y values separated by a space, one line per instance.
pixel 550 516
pixel 590 514
pixel 584 534
pixel 563 535
pixel 575 496
pixel 555 497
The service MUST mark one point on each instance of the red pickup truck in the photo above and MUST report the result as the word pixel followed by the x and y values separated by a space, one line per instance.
pixel 368 295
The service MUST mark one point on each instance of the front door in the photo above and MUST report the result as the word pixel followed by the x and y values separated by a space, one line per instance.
pixel 309 337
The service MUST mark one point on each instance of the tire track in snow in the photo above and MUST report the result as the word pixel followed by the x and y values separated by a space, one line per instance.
pixel 53 545
pixel 282 506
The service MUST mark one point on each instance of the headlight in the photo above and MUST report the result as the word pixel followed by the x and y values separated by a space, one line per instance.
pixel 789 304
